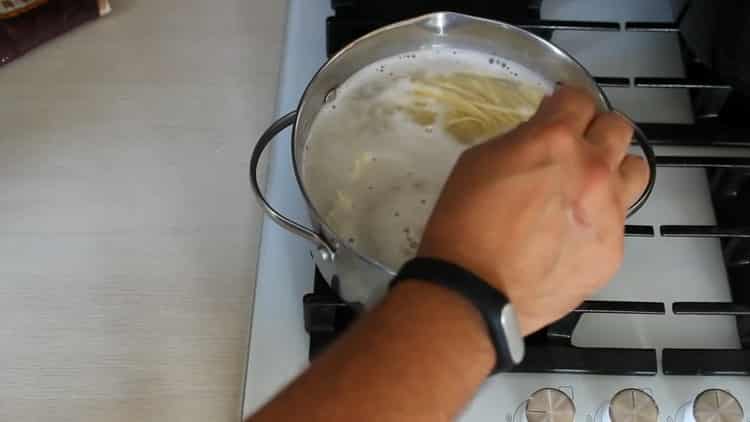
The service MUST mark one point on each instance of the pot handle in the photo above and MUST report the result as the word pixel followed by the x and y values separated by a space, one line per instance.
pixel 324 248
pixel 648 153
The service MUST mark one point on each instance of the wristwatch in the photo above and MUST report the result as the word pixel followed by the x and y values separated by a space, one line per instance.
pixel 496 310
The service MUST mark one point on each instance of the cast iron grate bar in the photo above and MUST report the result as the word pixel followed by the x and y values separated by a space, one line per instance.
pixel 704 231
pixel 566 25
pixel 641 82
pixel 695 134
pixel 340 30
pixel 710 308
pixel 741 312
pixel 698 161
pixel 652 26
pixel 575 360
pixel 557 354
pixel 639 231
pixel 618 307
pixel 612 81
pixel 705 362
pixel 709 361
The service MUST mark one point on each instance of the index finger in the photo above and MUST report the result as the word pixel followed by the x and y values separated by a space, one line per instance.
pixel 570 106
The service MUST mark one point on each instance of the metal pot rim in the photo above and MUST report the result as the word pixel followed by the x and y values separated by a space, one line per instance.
pixel 440 18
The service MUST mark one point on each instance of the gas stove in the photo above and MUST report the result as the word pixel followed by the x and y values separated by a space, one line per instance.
pixel 671 333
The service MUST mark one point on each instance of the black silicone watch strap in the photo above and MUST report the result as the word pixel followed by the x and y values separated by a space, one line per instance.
pixel 488 300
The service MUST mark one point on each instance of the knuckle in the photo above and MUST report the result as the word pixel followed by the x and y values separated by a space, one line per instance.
pixel 559 135
pixel 577 96
pixel 598 171
pixel 618 126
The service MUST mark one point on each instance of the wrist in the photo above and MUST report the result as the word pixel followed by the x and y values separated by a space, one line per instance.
pixel 487 272
pixel 454 324
pixel 465 257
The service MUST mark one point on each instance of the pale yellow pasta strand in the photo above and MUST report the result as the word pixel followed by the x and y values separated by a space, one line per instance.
pixel 476 106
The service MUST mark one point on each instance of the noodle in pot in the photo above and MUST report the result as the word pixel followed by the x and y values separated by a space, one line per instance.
pixel 378 154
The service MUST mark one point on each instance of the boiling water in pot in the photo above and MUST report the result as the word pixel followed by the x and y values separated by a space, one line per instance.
pixel 379 152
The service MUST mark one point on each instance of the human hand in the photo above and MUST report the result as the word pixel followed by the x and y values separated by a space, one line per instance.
pixel 539 213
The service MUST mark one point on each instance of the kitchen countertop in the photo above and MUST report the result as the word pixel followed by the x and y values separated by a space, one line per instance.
pixel 128 236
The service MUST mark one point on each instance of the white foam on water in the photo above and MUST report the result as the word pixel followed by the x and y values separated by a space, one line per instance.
pixel 371 171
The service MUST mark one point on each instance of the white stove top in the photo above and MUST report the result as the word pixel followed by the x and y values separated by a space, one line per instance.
pixel 655 269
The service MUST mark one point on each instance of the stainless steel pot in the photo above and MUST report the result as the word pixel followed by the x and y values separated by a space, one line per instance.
pixel 356 277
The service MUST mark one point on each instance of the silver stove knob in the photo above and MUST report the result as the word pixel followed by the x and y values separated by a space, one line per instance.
pixel 717 406
pixel 550 405
pixel 633 405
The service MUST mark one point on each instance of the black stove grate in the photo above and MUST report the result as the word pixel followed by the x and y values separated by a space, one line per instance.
pixel 719 121
pixel 718 109
pixel 551 350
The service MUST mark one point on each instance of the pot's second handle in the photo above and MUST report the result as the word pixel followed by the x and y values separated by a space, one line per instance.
pixel 325 249
pixel 648 154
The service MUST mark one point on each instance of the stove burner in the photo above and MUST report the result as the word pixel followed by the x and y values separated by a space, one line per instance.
pixel 720 120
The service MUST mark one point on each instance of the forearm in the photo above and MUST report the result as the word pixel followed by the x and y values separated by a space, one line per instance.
pixel 420 355
pixel 538 214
